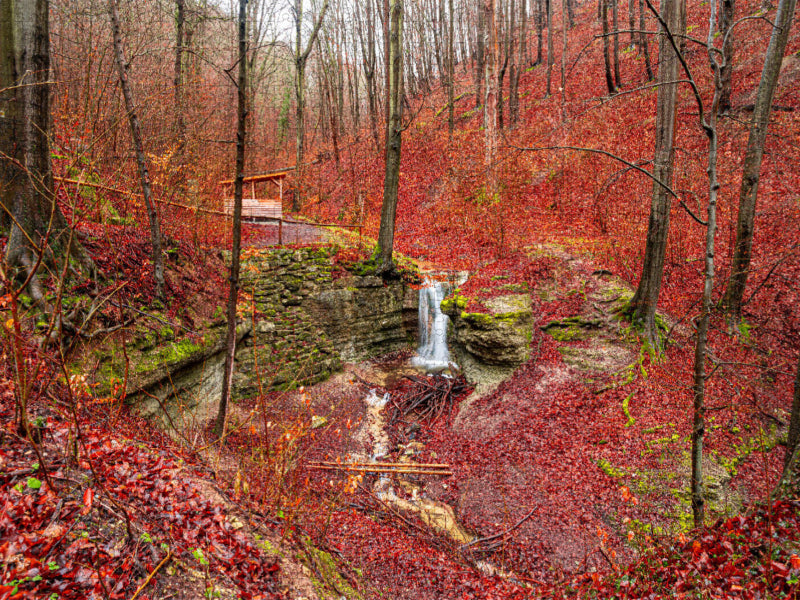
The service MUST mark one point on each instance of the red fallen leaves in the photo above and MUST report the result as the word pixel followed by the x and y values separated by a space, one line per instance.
pixel 744 557
pixel 74 544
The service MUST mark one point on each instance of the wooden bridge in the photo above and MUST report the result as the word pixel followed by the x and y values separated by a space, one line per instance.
pixel 254 209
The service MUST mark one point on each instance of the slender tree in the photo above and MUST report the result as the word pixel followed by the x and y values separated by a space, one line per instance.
pixel 138 146
pixel 29 213
pixel 550 52
pixel 791 464
pixel 480 62
pixel 301 54
pixel 490 105
pixel 740 263
pixel 644 302
pixel 610 84
pixel 727 12
pixel 643 43
pixel 391 181
pixel 238 187
pixel 451 59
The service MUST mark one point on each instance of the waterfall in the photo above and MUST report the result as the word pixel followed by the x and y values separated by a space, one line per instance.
pixel 432 354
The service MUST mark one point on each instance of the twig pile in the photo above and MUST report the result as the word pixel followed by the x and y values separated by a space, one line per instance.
pixel 428 397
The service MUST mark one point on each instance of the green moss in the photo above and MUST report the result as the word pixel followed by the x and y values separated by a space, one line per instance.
pixel 626 410
pixel 327 580
pixel 169 354
pixel 609 469
pixel 481 319
pixel 453 303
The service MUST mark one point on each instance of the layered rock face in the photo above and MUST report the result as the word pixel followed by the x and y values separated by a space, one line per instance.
pixel 298 323
pixel 488 346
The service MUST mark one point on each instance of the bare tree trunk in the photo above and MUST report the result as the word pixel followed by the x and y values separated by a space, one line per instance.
pixel 564 61
pixel 451 57
pixel 300 58
pixel 645 300
pixel 516 65
pixel 748 193
pixel 645 45
pixel 550 53
pixel 480 63
pixel 791 464
pixel 490 110
pixel 632 22
pixel 501 74
pixel 233 290
pixel 606 47
pixel 136 135
pixel 615 24
pixel 180 121
pixel 701 348
pixel 727 11
pixel 391 182
pixel 540 18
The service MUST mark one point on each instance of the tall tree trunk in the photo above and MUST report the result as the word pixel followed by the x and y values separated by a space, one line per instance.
pixel 727 11
pixel 238 186
pixel 29 212
pixel 709 126
pixel 632 22
pixel 180 120
pixel 501 74
pixel 740 263
pixel 451 58
pixel 606 47
pixel 480 62
pixel 645 300
pixel 615 24
pixel 540 20
pixel 490 110
pixel 391 181
pixel 564 4
pixel 301 54
pixel 516 66
pixel 138 145
pixel 790 480
pixel 643 43
pixel 550 52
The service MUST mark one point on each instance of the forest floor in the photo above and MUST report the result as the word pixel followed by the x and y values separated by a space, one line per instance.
pixel 566 479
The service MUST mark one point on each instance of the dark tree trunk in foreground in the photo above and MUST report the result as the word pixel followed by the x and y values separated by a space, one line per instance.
pixel 645 300
pixel 233 290
pixel 29 214
pixel 138 145
pixel 740 263
pixel 391 181
pixel 606 47
pixel 790 480
pixel 727 8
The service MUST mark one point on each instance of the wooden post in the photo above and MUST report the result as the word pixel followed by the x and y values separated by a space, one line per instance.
pixel 280 230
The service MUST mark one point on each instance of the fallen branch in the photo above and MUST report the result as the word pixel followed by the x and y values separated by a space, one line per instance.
pixel 152 574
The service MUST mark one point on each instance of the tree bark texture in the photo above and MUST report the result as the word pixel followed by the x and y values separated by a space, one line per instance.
pixel 28 209
pixel 138 146
pixel 490 105
pixel 791 468
pixel 238 189
pixel 740 263
pixel 727 12
pixel 391 181
pixel 644 302
pixel 480 61
pixel 643 42
pixel 301 54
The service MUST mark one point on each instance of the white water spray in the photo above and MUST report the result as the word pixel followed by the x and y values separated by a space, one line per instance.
pixel 432 354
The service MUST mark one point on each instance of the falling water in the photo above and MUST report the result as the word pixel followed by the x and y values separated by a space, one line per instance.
pixel 432 354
